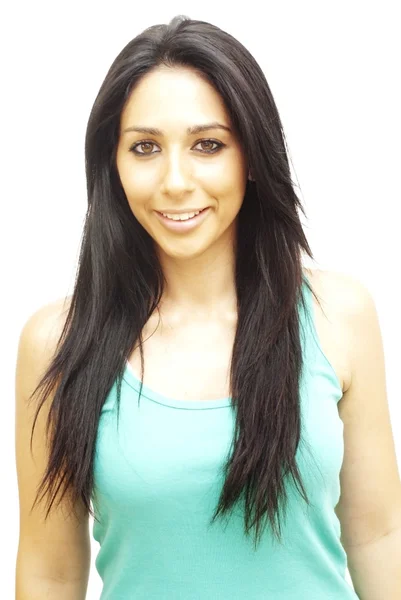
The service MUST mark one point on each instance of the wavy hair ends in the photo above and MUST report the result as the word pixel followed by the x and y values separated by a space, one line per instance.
pixel 119 284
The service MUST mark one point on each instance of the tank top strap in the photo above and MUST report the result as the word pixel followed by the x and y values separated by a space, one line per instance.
pixel 308 332
pixel 315 357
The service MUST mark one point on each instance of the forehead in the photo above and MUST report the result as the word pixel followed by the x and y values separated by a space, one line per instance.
pixel 172 96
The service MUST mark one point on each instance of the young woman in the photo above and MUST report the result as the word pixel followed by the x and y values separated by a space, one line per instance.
pixel 201 394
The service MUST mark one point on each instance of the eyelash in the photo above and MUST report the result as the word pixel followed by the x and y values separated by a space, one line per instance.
pixel 219 146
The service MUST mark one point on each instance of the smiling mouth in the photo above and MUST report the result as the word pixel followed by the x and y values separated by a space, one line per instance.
pixel 183 225
pixel 177 215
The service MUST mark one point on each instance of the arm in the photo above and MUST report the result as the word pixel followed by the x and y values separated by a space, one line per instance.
pixel 53 558
pixel 30 587
pixel 370 504
pixel 375 567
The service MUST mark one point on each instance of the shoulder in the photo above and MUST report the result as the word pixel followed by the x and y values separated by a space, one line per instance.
pixel 345 313
pixel 44 326
pixel 37 344
pixel 344 294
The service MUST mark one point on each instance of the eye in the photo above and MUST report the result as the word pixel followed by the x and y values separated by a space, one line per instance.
pixel 148 143
pixel 213 150
pixel 135 146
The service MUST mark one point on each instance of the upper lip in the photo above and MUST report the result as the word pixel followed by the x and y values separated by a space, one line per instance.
pixel 181 212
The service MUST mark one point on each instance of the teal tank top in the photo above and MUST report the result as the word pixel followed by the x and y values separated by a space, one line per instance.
pixel 158 479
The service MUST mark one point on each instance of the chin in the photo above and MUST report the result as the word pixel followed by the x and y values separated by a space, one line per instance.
pixel 184 249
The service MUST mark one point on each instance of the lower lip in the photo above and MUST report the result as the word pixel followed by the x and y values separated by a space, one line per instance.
pixel 182 226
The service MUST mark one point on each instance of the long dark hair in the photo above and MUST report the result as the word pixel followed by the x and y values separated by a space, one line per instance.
pixel 119 284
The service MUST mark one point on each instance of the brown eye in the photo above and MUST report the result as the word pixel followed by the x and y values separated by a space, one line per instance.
pixel 207 142
pixel 144 145
pixel 211 142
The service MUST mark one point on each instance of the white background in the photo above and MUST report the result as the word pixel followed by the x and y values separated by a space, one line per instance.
pixel 334 74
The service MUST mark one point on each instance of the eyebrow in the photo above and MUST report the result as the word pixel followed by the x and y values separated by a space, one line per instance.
pixel 190 131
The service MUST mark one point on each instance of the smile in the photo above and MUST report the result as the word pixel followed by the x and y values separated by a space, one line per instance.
pixel 184 224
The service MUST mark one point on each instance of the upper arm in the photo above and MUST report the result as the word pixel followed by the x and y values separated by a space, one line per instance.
pixel 370 501
pixel 60 546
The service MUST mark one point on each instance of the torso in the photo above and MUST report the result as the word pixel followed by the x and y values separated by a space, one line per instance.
pixel 192 362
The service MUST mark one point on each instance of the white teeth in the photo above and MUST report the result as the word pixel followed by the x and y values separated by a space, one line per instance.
pixel 182 217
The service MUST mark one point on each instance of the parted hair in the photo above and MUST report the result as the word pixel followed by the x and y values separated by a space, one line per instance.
pixel 119 284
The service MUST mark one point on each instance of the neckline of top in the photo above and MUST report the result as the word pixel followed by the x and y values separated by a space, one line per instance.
pixel 132 380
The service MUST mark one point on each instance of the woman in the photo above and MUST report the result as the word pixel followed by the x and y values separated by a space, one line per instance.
pixel 184 385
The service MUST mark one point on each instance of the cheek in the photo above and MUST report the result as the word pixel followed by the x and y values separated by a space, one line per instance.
pixel 225 184
pixel 230 192
pixel 133 180
pixel 138 190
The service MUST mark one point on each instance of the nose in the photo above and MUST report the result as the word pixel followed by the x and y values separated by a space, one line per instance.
pixel 177 177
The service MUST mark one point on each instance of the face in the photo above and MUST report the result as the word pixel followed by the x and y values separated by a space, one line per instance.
pixel 175 170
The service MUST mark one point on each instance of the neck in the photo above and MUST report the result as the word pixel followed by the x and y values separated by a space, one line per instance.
pixel 200 288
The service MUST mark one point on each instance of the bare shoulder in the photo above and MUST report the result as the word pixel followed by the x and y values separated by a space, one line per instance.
pixel 45 324
pixel 342 300
pixel 344 295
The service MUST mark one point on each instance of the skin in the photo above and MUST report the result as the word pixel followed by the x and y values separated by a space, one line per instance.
pixel 199 270
pixel 174 171
pixel 55 560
